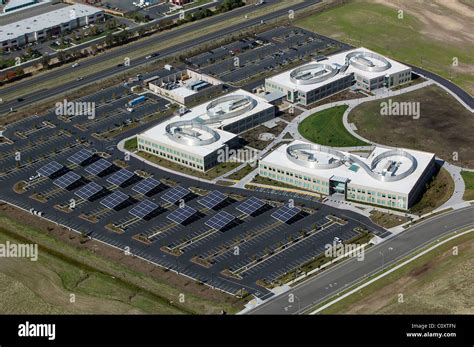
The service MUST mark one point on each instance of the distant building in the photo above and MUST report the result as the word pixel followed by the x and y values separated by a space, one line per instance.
pixel 55 22
pixel 324 77
pixel 196 138
pixel 391 178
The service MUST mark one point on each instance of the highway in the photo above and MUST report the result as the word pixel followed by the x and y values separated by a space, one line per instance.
pixel 322 287
pixel 125 50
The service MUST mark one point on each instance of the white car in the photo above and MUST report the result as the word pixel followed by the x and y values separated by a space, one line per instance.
pixel 75 65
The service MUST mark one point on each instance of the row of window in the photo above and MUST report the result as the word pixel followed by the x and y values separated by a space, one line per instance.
pixel 295 182
pixel 170 151
pixel 373 193
pixel 298 176
pixel 372 200
pixel 171 157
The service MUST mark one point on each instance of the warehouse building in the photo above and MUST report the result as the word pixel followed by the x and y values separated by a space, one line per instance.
pixel 390 178
pixel 196 138
pixel 51 23
pixel 316 80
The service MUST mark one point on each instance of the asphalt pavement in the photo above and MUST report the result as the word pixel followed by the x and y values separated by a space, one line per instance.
pixel 320 288
pixel 125 50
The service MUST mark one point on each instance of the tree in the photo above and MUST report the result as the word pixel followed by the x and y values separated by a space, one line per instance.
pixel 109 39
pixel 62 56
pixel 19 72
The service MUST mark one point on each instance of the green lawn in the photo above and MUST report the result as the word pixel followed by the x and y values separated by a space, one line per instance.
pixel 326 128
pixel 131 144
pixel 468 178
pixel 377 27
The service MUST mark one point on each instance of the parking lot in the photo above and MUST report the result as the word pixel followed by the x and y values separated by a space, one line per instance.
pixel 247 58
pixel 225 237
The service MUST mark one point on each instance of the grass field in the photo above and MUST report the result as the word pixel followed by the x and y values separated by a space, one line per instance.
pixel 100 286
pixel 429 36
pixel 438 282
pixel 444 126
pixel 326 128
pixel 468 178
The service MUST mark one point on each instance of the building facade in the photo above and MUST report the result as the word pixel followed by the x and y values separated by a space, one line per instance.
pixel 199 138
pixel 355 178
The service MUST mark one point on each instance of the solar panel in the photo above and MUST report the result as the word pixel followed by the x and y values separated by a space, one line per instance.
pixel 98 167
pixel 49 169
pixel 89 190
pixel 251 205
pixel 285 213
pixel 145 186
pixel 220 220
pixel 120 177
pixel 67 180
pixel 212 199
pixel 143 209
pixel 181 214
pixel 114 199
pixel 80 156
pixel 175 194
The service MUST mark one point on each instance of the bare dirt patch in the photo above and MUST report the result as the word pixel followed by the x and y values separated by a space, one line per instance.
pixel 444 126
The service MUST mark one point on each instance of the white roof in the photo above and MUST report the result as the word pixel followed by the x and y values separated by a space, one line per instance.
pixel 198 113
pixel 158 134
pixel 359 177
pixel 336 61
pixel 44 21
pixel 182 91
